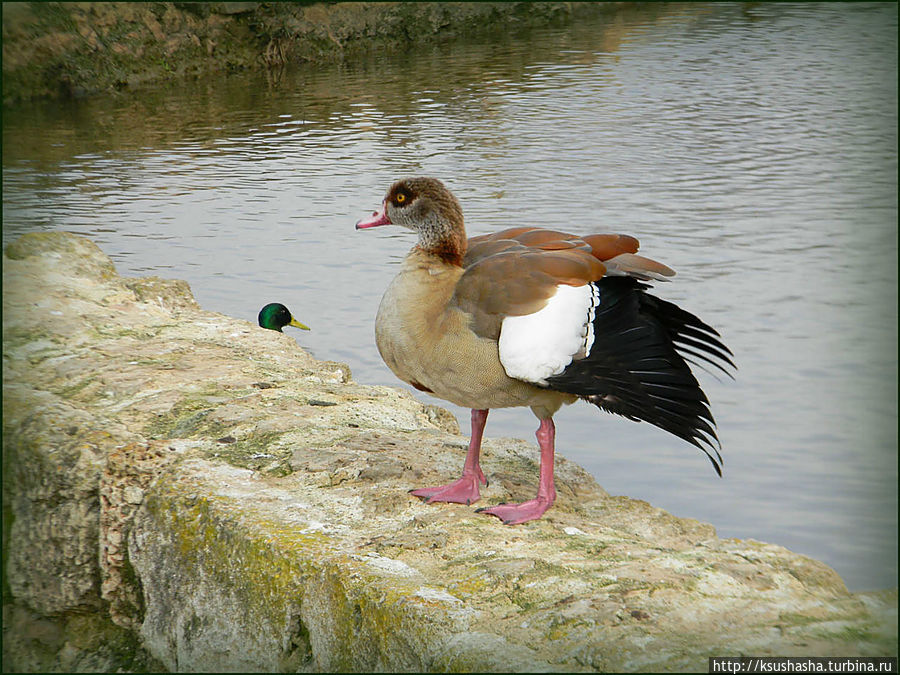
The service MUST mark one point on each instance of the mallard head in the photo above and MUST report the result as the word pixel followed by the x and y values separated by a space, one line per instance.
pixel 275 316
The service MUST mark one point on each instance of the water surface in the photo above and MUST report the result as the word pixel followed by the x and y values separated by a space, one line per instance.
pixel 751 147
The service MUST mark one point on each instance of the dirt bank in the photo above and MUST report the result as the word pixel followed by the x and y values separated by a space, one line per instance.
pixel 72 49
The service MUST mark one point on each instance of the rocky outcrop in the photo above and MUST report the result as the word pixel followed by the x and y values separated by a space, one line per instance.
pixel 189 491
pixel 72 49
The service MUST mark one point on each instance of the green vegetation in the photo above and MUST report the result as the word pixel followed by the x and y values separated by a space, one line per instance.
pixel 59 49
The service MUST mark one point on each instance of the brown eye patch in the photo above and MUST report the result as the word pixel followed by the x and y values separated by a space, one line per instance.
pixel 401 197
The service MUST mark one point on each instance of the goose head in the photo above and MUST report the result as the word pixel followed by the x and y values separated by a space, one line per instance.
pixel 427 207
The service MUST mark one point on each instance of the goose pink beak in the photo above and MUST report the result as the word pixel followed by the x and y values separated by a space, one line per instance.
pixel 376 219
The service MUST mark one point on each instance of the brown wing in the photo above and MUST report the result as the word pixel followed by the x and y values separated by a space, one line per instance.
pixel 601 246
pixel 514 272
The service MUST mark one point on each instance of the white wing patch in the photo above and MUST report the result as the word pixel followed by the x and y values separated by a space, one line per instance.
pixel 535 346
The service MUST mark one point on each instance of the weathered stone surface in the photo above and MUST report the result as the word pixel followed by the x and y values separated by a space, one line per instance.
pixel 74 643
pixel 51 480
pixel 232 504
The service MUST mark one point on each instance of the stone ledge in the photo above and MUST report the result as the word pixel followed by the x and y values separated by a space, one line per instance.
pixel 175 475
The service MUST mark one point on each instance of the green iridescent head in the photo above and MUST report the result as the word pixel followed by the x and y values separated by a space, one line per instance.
pixel 275 316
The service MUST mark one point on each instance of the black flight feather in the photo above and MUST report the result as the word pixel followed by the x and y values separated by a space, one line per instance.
pixel 637 368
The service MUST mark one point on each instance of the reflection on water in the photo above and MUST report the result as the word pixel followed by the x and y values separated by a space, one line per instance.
pixel 751 147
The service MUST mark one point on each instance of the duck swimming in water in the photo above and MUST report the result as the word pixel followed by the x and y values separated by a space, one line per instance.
pixel 276 316
pixel 538 318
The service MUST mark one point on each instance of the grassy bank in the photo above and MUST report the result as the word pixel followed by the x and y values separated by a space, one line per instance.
pixel 58 49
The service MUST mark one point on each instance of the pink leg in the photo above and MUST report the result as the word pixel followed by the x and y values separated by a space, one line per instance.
pixel 465 490
pixel 513 514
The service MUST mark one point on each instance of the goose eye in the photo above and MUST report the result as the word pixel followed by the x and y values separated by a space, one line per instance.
pixel 401 198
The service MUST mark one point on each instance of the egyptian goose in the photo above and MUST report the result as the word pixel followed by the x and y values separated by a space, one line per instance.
pixel 538 318
pixel 276 316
